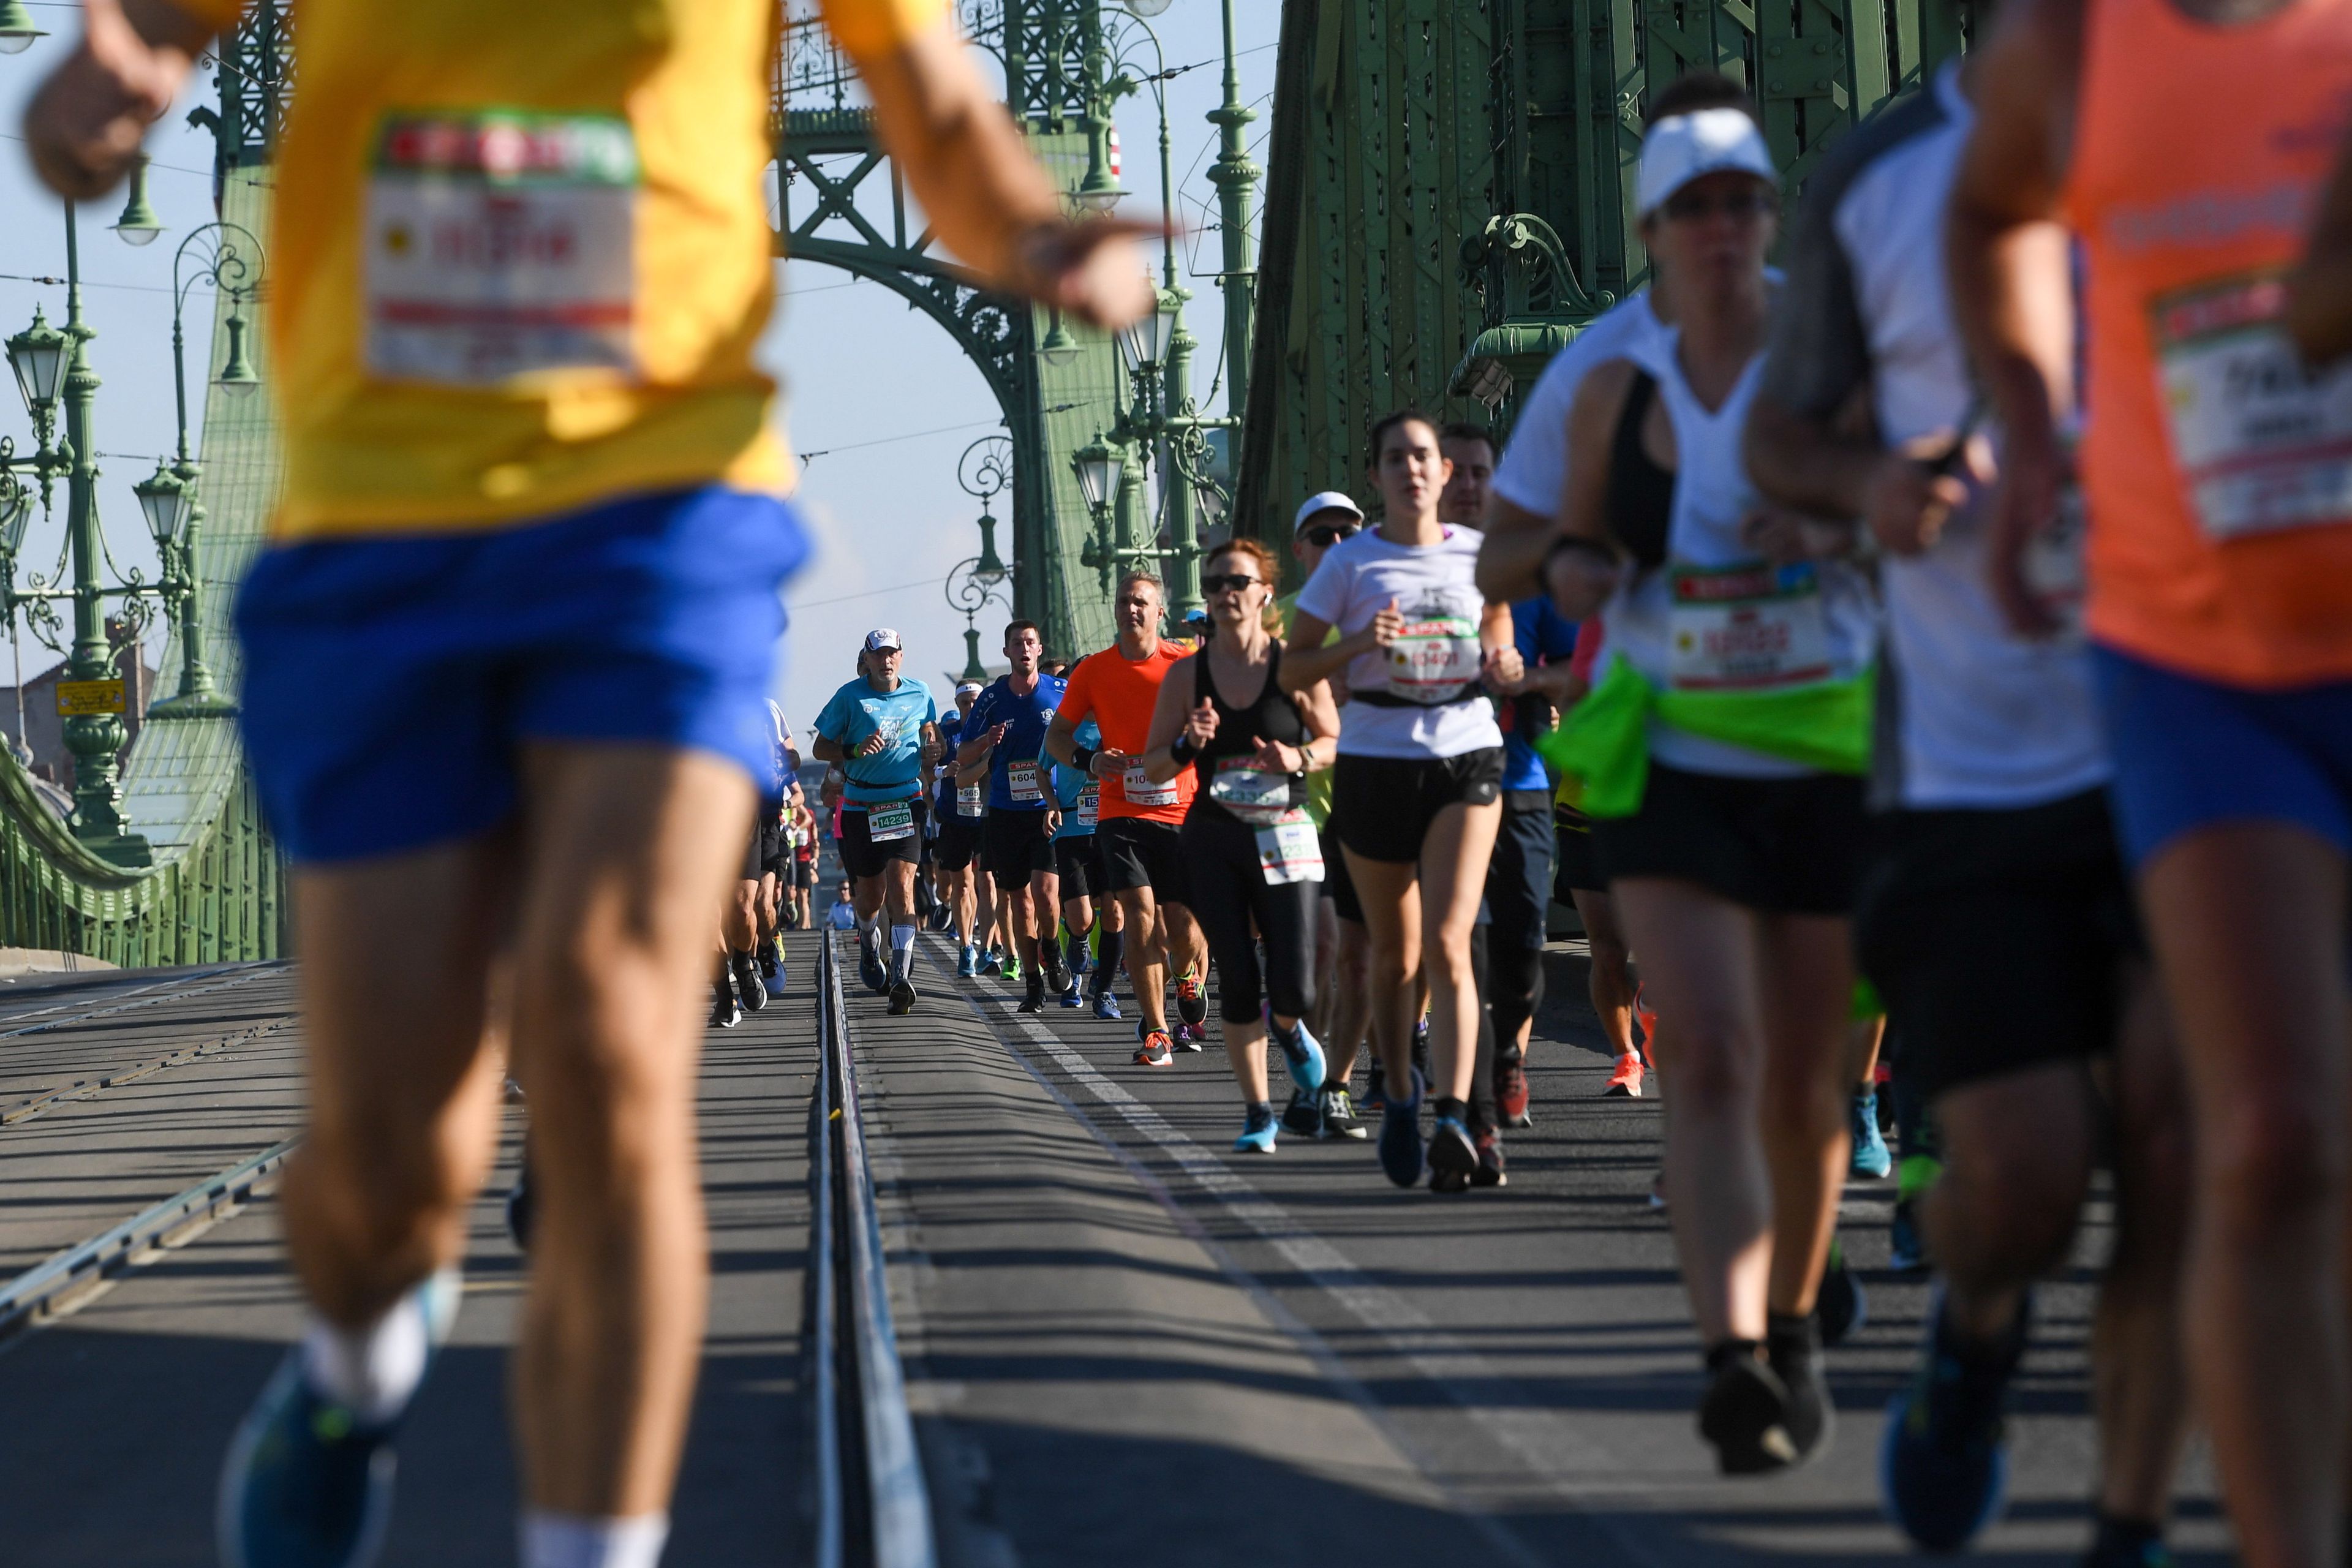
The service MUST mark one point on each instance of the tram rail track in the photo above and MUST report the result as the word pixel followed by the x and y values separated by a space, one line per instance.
pixel 873 1507
pixel 90 1083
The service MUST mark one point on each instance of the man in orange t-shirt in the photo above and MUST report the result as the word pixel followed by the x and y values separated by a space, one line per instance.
pixel 1143 863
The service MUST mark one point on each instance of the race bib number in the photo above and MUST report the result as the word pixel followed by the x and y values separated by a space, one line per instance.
pixel 885 823
pixel 969 800
pixel 1435 656
pixel 1090 804
pixel 1750 628
pixel 1290 851
pixel 1249 792
pixel 1021 778
pixel 2263 444
pixel 499 244
pixel 1141 791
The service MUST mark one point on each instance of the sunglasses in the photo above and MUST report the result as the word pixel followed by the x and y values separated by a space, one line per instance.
pixel 1689 206
pixel 1326 535
pixel 1233 582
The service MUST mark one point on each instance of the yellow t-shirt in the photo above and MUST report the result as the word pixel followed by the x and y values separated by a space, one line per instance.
pixel 520 255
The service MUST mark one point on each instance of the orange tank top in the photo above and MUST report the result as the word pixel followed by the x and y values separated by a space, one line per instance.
pixel 2218 474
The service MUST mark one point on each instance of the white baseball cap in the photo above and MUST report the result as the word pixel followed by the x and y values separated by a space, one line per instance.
pixel 1328 501
pixel 879 638
pixel 1685 147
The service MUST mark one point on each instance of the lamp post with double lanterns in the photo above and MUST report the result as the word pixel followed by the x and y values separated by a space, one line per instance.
pixel 985 471
pixel 54 377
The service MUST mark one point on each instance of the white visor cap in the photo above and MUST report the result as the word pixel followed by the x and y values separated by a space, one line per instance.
pixel 1687 147
pixel 1326 501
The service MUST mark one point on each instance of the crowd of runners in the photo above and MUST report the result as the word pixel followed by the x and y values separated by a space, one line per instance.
pixel 1928 662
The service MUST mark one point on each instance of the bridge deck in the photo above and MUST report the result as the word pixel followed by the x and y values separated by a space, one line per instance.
pixel 1124 1344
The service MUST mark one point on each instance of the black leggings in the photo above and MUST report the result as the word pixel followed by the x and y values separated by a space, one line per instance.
pixel 1229 891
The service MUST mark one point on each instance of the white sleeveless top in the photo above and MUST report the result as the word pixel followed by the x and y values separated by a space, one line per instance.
pixel 1716 617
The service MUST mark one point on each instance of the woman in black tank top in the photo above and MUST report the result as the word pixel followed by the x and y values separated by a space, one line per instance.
pixel 1252 858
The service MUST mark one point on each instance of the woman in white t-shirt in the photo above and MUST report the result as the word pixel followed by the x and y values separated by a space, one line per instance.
pixel 1416 793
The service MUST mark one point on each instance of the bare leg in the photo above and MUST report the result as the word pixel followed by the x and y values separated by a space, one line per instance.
pixel 1611 982
pixel 1454 861
pixel 1702 950
pixel 1390 891
pixel 2247 921
pixel 1246 1050
pixel 1145 970
pixel 1351 1009
pixel 1807 972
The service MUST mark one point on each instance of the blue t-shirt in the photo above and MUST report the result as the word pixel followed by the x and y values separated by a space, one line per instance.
pixel 1544 636
pixel 1071 788
pixel 952 736
pixel 857 712
pixel 1028 717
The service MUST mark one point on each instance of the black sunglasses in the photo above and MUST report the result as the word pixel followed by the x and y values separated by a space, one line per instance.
pixel 1325 535
pixel 1219 583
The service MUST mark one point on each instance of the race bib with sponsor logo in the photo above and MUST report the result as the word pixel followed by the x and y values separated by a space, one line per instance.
pixel 1437 653
pixel 1290 851
pixel 1021 779
pixel 1141 791
pixel 885 823
pixel 1746 628
pixel 1251 793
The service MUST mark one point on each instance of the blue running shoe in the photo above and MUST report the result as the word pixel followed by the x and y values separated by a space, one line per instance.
pixel 1401 1152
pixel 1907 1244
pixel 870 967
pixel 1870 1158
pixel 1307 1063
pixel 307 1484
pixel 993 962
pixel 1072 998
pixel 1257 1132
pixel 1452 1155
pixel 1107 1007
pixel 968 963
pixel 1943 1464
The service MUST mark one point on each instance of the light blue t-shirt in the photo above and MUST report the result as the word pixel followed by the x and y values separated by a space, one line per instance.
pixel 1070 787
pixel 857 712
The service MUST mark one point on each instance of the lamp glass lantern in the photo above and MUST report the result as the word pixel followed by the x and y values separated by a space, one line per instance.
pixel 16 29
pixel 16 512
pixel 991 565
pixel 1098 467
pixel 1060 346
pixel 38 355
pixel 164 497
pixel 137 224
pixel 238 377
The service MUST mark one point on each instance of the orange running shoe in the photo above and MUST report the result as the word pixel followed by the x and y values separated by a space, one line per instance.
pixel 1625 1083
pixel 1649 1019
pixel 1155 1051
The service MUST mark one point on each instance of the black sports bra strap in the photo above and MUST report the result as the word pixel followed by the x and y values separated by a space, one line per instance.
pixel 1626 445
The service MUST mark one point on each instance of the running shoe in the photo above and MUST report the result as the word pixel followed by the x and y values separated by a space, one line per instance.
pixel 1107 1006
pixel 1907 1244
pixel 1375 1088
pixel 992 961
pixel 1307 1064
pixel 1049 965
pixel 1944 1461
pixel 1072 996
pixel 1400 1151
pixel 1658 1189
pixel 1625 1082
pixel 968 963
pixel 1840 1302
pixel 942 918
pixel 902 995
pixel 1745 1415
pixel 1013 970
pixel 2127 1543
pixel 1336 1113
pixel 1872 1162
pixel 1303 1114
pixel 1420 1049
pixel 1191 1000
pixel 520 1209
pixel 1649 1020
pixel 1490 1172
pixel 1187 1036
pixel 870 968
pixel 1257 1131
pixel 1155 1051
pixel 747 981
pixel 1033 999
pixel 307 1484
pixel 1511 1094
pixel 1792 1348
pixel 1453 1156
pixel 724 1012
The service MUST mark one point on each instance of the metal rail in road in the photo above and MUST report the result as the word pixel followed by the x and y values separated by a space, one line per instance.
pixel 874 1508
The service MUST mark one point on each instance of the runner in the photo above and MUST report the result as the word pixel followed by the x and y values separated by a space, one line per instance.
pixel 1732 863
pixel 1006 728
pixel 1995 877
pixel 1416 793
pixel 959 841
pixel 882 730
pixel 506 658
pixel 1343 948
pixel 805 865
pixel 1251 853
pixel 1143 864
pixel 2185 144
pixel 1077 868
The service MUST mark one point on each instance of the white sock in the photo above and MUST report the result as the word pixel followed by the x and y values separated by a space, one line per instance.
pixel 568 1540
pixel 374 1371
pixel 902 938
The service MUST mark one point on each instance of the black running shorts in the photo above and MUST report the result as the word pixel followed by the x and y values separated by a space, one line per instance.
pixel 1780 845
pixel 1076 862
pixel 1140 854
pixel 1337 886
pixel 1382 806
pixel 1578 870
pixel 1998 940
pixel 1013 846
pixel 861 857
pixel 958 843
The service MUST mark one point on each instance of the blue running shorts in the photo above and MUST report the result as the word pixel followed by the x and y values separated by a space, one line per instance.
pixel 2190 753
pixel 389 682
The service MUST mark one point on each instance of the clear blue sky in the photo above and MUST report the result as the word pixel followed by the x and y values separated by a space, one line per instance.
pixel 858 366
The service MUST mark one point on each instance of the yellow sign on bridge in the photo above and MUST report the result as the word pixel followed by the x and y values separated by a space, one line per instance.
pixel 79 698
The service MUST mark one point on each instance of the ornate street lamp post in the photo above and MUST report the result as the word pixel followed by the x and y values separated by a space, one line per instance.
pixel 985 471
